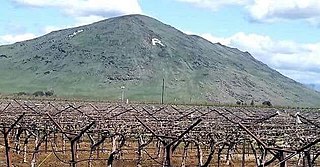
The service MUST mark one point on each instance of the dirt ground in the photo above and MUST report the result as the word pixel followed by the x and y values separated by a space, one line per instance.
pixel 127 160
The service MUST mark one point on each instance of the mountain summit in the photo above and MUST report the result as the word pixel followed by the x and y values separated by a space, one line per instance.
pixel 131 55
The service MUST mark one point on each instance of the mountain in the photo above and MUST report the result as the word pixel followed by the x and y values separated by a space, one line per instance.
pixel 131 55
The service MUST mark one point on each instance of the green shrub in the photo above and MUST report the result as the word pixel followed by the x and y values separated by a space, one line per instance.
pixel 267 103
pixel 49 93
pixel 38 93
pixel 22 94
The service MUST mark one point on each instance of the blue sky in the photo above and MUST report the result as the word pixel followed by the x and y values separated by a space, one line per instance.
pixel 285 34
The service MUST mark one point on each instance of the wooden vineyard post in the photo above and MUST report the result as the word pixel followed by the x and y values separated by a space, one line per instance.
pixel 165 143
pixel 141 145
pixel 33 160
pixel 307 159
pixel 199 153
pixel 74 138
pixel 46 141
pixel 162 92
pixel 73 142
pixel 6 142
pixel 219 153
pixel 185 154
pixel 243 153
pixel 281 158
pixel 73 153
pixel 6 132
pixel 98 148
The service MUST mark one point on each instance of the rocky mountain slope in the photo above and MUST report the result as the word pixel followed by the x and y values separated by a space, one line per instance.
pixel 131 55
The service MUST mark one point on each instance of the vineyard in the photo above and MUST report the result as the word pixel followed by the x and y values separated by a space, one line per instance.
pixel 65 133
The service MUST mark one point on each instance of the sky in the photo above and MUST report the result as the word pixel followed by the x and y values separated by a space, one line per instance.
pixel 284 34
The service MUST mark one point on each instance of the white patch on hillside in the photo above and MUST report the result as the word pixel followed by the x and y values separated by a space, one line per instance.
pixel 75 33
pixel 156 41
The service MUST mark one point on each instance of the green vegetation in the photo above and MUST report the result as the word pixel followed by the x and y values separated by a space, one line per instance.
pixel 96 61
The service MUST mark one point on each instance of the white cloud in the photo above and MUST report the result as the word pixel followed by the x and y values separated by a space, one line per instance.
pixel 88 19
pixel 214 39
pixel 83 11
pixel 285 56
pixel 273 10
pixel 9 39
pixel 88 7
pixel 48 29
pixel 269 10
pixel 88 10
pixel 216 4
pixel 79 22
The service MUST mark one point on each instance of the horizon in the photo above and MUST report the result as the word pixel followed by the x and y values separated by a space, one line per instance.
pixel 283 37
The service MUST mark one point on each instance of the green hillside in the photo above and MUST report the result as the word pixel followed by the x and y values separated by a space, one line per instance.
pixel 96 60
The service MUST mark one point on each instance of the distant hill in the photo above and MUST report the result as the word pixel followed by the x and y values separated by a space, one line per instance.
pixel 314 86
pixel 131 55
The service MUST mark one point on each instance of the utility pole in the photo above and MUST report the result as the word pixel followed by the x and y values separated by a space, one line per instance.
pixel 162 91
pixel 122 93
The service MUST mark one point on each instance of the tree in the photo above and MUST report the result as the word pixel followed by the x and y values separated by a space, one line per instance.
pixel 267 103
pixel 38 93
pixel 49 93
